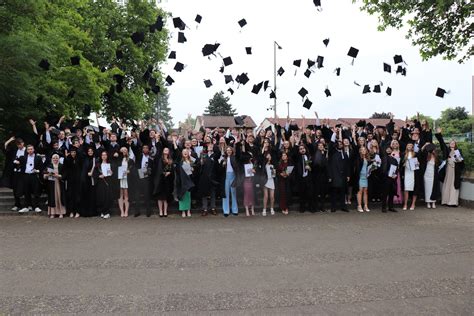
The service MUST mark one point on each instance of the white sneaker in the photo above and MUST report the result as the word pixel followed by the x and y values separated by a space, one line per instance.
pixel 106 216
pixel 38 210
pixel 15 208
pixel 101 215
pixel 434 205
pixel 264 212
pixel 23 210
pixel 272 211
pixel 428 205
pixel 30 208
pixel 367 209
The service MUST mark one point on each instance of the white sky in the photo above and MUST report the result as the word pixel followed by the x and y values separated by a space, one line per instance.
pixel 299 28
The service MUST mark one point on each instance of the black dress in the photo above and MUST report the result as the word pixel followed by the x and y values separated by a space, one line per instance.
pixel 104 194
pixel 88 206
pixel 73 167
pixel 163 185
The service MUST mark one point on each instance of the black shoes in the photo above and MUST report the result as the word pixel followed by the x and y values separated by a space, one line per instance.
pixel 345 210
pixel 136 214
pixel 393 210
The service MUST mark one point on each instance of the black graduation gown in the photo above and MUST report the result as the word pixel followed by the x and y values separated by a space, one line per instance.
pixel 338 167
pixel 183 182
pixel 88 189
pixel 104 195
pixel 50 186
pixel 320 173
pixel 73 172
pixel 163 186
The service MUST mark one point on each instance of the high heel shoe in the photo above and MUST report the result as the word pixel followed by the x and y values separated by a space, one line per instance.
pixel 359 208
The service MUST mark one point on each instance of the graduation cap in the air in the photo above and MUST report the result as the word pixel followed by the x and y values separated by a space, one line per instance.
pixel 228 79
pixel 281 71
pixel 181 38
pixel 388 91
pixel 307 73
pixel 44 64
pixel 265 85
pixel 356 83
pixel 210 49
pixel 257 87
pixel 158 24
pixel 248 50
pixel 103 69
pixel 297 62
pixel 317 3
pixel 118 78
pixel 179 67
pixel 155 89
pixel 387 67
pixel 440 92
pixel 169 80
pixel 242 23
pixel 353 52
pixel 227 61
pixel 178 23
pixel 327 92
pixel 326 42
pixel 208 83
pixel 311 63
pixel 137 37
pixel 172 55
pixel 221 69
pixel 239 120
pixel 119 54
pixel 361 123
pixel 397 59
pixel 307 104
pixel 231 91
pixel 198 18
pixel 303 92
pixel 366 89
pixel 338 71
pixel 242 78
pixel 377 88
pixel 272 95
pixel 75 60
pixel 320 61
pixel 404 71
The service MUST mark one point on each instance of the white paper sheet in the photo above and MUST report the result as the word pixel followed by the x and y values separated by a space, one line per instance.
pixel 248 170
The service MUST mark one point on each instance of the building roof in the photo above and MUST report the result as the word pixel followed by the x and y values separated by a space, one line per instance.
pixel 375 122
pixel 224 121
pixel 333 122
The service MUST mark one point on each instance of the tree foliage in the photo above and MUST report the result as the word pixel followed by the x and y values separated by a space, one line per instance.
pixel 162 109
pixel 219 106
pixel 32 30
pixel 455 121
pixel 437 27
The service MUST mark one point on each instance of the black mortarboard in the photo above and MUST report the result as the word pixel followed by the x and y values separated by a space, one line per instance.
pixel 198 18
pixel 242 23
pixel 231 91
pixel 307 104
pixel 297 63
pixel 257 87
pixel 118 88
pixel 281 71
pixel 159 23
pixel 137 37
pixel 181 38
pixel 399 69
pixel 155 89
pixel 248 50
pixel 172 55
pixel 307 73
pixel 317 3
pixel 338 71
pixel 404 72
pixel 377 88
pixel 327 92
pixel 103 69
pixel 228 79
pixel 44 64
pixel 227 61
pixel 221 70
pixel 440 92
pixel 361 123
pixel 311 63
pixel 303 92
pixel 242 78
pixel 119 54
pixel 397 59
pixel 169 80
pixel 75 60
pixel 272 95
pixel 387 67
pixel 239 120
pixel 179 67
pixel 151 81
pixel 118 78
pixel 366 89
pixel 208 83
pixel 178 23
pixel 326 42
pixel 389 91
pixel 210 49
pixel 353 52
pixel 265 85
pixel 370 127
pixel 320 61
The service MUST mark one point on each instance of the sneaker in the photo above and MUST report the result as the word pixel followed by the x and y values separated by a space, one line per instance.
pixel 102 215
pixel 264 212
pixel 366 209
pixel 359 209
pixel 38 210
pixel 434 205
pixel 272 211
pixel 106 216
pixel 24 210
pixel 428 205
pixel 15 208
pixel 30 208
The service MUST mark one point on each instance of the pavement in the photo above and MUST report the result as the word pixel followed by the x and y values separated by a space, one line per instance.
pixel 408 263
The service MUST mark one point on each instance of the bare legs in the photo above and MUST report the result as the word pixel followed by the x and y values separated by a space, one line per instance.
pixel 123 203
pixel 268 193
pixel 405 200
pixel 363 196
pixel 163 207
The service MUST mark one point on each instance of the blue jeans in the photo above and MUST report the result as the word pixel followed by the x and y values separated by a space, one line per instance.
pixel 229 190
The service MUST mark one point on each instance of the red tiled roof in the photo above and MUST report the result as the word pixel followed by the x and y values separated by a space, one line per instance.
pixel 224 121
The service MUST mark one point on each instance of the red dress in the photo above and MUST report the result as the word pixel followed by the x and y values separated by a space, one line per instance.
pixel 283 186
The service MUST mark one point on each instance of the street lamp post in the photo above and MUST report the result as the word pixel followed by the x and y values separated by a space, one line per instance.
pixel 275 46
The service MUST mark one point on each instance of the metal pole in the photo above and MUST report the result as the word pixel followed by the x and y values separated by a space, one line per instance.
pixel 288 106
pixel 274 78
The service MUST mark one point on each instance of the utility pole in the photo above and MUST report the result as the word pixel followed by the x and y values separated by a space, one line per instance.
pixel 275 46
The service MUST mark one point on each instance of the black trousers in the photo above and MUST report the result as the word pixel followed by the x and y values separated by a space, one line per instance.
pixel 306 194
pixel 31 187
pixel 144 196
pixel 388 192
pixel 17 185
pixel 319 194
pixel 338 197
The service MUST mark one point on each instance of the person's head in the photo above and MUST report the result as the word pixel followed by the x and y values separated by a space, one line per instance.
pixel 262 133
pixel 55 159
pixel 284 157
pixel 319 133
pixel 90 152
pixel 152 134
pixel 388 150
pixel 73 152
pixel 185 154
pixel 207 139
pixel 370 136
pixel 124 152
pixel 268 157
pixel 55 144
pixel 145 149
pixel 364 153
pixel 410 147
pixel 321 146
pixel 166 152
pixel 286 144
pixel 30 150
pixel 61 135
pixel 453 145
pixel 113 137
pixel 425 125
pixel 250 138
pixel 78 132
pixel 229 151
pixel 302 149
pixel 75 142
pixel 19 143
pixel 340 144
pixel 269 133
pixel 395 135
pixel 222 141
pixel 361 141
pixel 346 142
pixel 415 135
pixel 104 156
pixel 374 146
pixel 194 142
pixel 395 145
pixel 187 144
pixel 266 142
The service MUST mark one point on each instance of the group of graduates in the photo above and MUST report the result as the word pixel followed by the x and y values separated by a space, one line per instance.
pixel 85 169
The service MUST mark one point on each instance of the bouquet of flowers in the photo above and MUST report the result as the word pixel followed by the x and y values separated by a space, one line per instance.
pixel 307 164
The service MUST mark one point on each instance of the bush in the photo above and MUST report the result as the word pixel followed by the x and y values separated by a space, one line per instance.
pixel 468 153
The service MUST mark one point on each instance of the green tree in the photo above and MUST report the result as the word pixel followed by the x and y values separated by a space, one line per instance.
pixel 162 109
pixel 188 124
pixel 441 27
pixel 455 121
pixel 381 115
pixel 422 117
pixel 219 106
pixel 457 113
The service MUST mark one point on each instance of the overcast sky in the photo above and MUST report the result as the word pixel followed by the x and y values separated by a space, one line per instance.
pixel 299 28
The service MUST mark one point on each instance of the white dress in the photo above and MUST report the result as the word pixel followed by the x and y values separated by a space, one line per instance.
pixel 124 181
pixel 270 184
pixel 428 181
pixel 409 183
